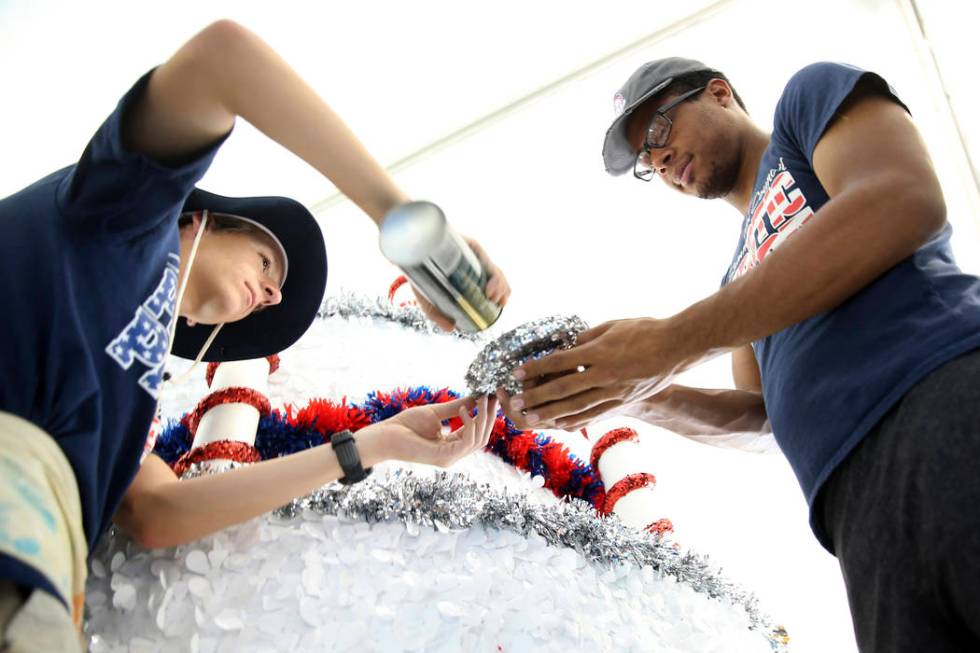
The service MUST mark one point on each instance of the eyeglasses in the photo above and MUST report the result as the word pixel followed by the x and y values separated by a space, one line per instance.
pixel 657 134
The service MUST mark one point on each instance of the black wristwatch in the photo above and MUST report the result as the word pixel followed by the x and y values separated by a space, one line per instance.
pixel 345 447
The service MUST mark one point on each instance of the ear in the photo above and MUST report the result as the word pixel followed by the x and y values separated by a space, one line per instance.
pixel 721 92
pixel 194 224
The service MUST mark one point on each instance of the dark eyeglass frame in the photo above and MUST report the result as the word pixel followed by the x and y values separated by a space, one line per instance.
pixel 640 170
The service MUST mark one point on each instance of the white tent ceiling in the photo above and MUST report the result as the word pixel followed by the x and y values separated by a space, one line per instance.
pixel 530 85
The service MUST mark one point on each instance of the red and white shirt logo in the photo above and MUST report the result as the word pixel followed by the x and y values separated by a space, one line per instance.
pixel 779 209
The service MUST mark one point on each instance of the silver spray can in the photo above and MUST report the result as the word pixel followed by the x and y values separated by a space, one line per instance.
pixel 417 238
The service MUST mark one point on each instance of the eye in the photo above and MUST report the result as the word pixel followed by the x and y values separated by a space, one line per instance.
pixel 266 262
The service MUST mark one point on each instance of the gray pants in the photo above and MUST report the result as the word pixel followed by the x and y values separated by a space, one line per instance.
pixel 903 511
pixel 38 623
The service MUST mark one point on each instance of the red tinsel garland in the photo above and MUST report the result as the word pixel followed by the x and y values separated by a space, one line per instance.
pixel 327 416
pixel 660 527
pixel 253 398
pixel 624 486
pixel 241 452
pixel 608 440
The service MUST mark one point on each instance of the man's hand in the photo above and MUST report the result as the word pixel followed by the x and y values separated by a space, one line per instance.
pixel 613 366
pixel 497 290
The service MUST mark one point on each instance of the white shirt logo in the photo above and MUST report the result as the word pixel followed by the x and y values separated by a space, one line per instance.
pixel 146 337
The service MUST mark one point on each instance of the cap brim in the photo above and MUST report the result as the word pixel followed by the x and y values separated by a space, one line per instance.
pixel 277 327
pixel 617 154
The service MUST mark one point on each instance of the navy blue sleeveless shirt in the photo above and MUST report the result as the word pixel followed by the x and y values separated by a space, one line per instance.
pixel 828 380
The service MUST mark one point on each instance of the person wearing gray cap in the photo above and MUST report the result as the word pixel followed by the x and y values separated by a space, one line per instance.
pixel 855 337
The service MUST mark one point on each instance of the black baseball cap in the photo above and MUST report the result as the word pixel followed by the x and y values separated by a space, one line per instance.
pixel 276 327
pixel 646 83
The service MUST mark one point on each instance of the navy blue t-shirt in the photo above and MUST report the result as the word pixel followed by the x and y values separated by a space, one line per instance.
pixel 828 380
pixel 89 259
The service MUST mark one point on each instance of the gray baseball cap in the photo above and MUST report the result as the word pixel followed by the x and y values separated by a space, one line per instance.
pixel 649 79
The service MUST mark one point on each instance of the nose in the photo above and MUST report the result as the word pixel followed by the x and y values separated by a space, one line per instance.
pixel 660 158
pixel 272 293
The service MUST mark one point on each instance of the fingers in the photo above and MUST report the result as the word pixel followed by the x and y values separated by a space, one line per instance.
pixel 591 334
pixel 450 409
pixel 567 411
pixel 504 400
pixel 567 408
pixel 567 360
pixel 497 290
pixel 486 413
pixel 516 415
pixel 491 413
pixel 604 410
pixel 467 437
pixel 561 388
pixel 469 420
pixel 439 318
pixel 479 424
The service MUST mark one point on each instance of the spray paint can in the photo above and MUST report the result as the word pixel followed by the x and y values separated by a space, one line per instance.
pixel 417 238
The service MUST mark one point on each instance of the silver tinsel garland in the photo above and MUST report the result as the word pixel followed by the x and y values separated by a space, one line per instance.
pixel 493 366
pixel 448 502
pixel 348 305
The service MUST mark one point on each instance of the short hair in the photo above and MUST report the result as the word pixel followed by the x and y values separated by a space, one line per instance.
pixel 691 81
pixel 222 222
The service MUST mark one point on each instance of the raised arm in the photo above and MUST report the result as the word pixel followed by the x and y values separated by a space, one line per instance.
pixel 226 71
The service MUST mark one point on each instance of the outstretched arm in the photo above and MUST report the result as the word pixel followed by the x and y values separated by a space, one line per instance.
pixel 159 510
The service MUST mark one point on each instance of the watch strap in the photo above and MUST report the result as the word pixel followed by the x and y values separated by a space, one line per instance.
pixel 345 448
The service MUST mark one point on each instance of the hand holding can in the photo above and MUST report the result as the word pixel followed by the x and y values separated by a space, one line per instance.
pixel 417 238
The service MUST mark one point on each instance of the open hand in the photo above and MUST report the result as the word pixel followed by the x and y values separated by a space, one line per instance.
pixel 419 434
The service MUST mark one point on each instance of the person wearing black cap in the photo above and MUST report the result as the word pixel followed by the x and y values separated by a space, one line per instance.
pixel 855 337
pixel 102 282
